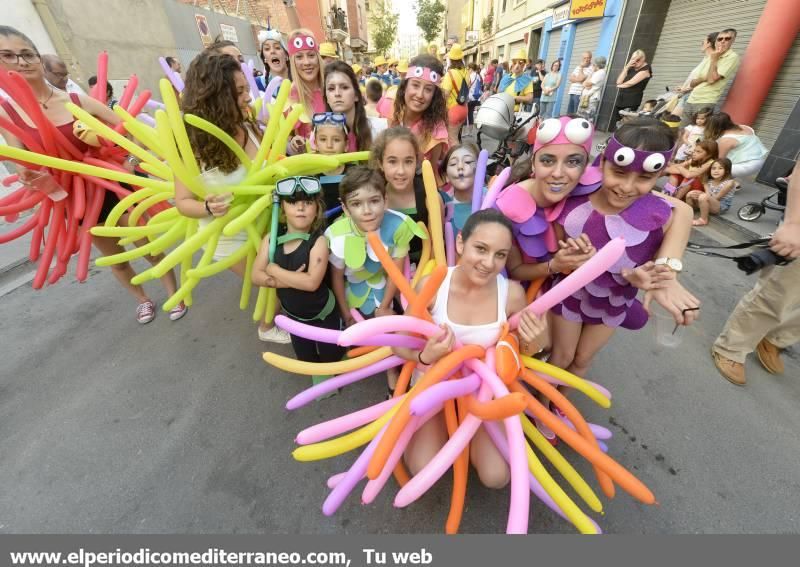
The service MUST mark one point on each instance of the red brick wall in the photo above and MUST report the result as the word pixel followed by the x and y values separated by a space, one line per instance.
pixel 308 11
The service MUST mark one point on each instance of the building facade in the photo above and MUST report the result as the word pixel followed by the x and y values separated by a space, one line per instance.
pixel 670 32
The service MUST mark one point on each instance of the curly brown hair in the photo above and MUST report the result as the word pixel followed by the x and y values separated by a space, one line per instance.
pixel 210 93
pixel 436 111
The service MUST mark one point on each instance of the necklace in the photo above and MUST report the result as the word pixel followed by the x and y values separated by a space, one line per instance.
pixel 44 104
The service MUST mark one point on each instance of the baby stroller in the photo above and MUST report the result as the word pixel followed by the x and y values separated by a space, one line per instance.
pixel 662 108
pixel 502 132
pixel 774 202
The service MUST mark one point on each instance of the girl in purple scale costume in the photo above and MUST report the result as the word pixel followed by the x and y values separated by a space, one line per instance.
pixel 559 167
pixel 624 206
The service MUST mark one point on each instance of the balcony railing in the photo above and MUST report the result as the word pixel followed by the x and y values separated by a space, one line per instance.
pixel 337 19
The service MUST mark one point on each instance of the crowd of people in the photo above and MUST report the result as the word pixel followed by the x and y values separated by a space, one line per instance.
pixel 542 226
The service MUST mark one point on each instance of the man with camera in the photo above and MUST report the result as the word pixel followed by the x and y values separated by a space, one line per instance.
pixel 767 319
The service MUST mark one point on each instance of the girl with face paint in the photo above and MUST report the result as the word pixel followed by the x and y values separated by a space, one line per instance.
pixel 458 170
pixel 623 206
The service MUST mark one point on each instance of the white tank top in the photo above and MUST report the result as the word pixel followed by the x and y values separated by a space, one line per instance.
pixel 485 335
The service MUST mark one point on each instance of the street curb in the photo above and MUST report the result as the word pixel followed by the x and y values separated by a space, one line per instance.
pixel 11 266
pixel 735 226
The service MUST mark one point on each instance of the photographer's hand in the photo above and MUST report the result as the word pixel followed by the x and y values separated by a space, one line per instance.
pixel 786 240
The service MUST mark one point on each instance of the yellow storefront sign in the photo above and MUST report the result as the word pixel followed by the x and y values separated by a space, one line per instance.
pixel 580 9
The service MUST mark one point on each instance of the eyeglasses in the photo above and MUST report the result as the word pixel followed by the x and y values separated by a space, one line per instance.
pixel 288 186
pixel 11 58
pixel 729 38
pixel 329 118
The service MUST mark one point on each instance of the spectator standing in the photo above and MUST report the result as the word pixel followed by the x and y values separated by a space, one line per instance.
pixel 576 79
pixel 110 100
pixel 327 51
pixel 738 143
pixel 57 74
pixel 712 75
pixel 550 85
pixel 454 80
pixel 488 76
pixel 767 319
pixel 517 83
pixel 706 47
pixel 500 72
pixel 631 82
pixel 537 74
pixel 475 92
pixel 174 64
pixel 590 95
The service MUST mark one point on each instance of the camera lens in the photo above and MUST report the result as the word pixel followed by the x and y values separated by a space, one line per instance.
pixel 758 260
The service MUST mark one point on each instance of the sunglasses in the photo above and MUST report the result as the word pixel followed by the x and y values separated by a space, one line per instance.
pixel 288 186
pixel 724 39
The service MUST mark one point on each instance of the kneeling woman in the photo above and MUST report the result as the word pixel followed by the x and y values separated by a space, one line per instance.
pixel 471 306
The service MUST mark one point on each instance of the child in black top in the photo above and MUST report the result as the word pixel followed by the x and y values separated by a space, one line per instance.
pixel 298 268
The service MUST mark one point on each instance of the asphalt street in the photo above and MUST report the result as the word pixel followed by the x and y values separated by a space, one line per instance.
pixel 179 427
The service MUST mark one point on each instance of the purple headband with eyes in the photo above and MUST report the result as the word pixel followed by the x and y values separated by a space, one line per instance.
pixel 636 160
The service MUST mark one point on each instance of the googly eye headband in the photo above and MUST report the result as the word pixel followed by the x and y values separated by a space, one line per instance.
pixel 302 43
pixel 564 130
pixel 424 73
pixel 631 159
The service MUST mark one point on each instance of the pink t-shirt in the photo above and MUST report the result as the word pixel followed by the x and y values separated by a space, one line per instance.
pixel 438 136
pixel 303 126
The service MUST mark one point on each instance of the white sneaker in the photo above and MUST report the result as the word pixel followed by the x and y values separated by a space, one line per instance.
pixel 274 335
pixel 178 311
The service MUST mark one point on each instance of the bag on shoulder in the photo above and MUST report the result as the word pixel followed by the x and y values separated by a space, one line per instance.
pixel 476 88
pixel 463 91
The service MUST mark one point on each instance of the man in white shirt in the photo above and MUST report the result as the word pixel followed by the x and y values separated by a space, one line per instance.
pixel 56 73
pixel 576 80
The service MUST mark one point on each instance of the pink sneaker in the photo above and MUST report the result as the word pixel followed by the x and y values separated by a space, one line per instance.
pixel 178 311
pixel 145 312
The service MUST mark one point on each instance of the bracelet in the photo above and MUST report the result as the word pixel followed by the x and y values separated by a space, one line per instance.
pixel 419 358
pixel 550 267
pixel 208 208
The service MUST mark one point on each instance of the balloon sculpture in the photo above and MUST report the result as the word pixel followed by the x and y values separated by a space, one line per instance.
pixel 167 156
pixel 70 199
pixel 473 386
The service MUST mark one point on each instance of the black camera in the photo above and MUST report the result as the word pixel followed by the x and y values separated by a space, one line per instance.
pixel 757 260
pixel 760 259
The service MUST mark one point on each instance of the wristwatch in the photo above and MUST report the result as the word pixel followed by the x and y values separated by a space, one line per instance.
pixel 673 264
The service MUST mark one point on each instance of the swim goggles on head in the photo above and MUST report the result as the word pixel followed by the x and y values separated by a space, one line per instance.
pixel 288 186
pixel 335 118
pixel 329 118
